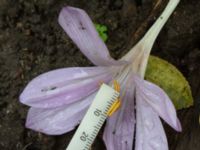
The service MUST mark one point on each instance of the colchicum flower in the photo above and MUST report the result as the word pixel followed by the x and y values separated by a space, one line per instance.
pixel 60 98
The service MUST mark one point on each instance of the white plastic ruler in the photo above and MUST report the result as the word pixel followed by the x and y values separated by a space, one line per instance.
pixel 94 119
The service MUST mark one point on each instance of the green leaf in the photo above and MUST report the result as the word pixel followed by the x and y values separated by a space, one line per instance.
pixel 102 30
pixel 171 80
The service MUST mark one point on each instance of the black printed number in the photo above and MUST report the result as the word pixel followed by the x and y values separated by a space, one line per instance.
pixel 84 137
pixel 97 112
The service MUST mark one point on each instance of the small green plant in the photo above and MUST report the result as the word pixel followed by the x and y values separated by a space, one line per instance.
pixel 102 30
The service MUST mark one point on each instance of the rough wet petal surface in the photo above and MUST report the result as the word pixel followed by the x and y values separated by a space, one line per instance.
pixel 56 121
pixel 81 30
pixel 64 86
pixel 119 130
pixel 150 134
pixel 159 101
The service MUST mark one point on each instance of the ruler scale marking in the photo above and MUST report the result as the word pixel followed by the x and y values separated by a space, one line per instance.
pixel 94 119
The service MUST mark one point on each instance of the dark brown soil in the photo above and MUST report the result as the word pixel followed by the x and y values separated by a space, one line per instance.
pixel 32 42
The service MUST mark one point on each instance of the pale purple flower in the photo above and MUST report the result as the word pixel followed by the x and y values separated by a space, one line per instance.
pixel 60 98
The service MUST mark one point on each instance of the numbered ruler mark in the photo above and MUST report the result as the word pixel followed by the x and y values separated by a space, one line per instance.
pixel 94 119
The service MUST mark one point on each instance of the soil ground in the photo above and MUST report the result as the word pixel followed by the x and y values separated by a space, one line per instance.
pixel 32 42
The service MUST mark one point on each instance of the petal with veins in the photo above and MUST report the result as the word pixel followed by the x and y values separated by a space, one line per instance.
pixel 150 134
pixel 56 121
pixel 119 130
pixel 81 30
pixel 64 86
pixel 159 101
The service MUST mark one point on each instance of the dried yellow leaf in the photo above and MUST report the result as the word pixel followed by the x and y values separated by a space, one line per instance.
pixel 171 80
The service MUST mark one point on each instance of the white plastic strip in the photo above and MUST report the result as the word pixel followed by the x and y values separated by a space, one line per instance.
pixel 94 119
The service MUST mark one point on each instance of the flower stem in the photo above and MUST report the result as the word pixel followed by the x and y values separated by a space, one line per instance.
pixel 139 54
pixel 150 37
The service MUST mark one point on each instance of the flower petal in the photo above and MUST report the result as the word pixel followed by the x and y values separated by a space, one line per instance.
pixel 150 134
pixel 64 86
pixel 159 101
pixel 119 130
pixel 56 121
pixel 81 30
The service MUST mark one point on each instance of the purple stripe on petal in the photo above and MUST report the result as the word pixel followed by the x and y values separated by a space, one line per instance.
pixel 81 30
pixel 56 121
pixel 64 86
pixel 150 134
pixel 119 130
pixel 159 101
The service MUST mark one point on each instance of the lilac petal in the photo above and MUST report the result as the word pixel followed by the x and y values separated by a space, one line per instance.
pixel 56 121
pixel 81 30
pixel 159 101
pixel 119 130
pixel 64 86
pixel 150 134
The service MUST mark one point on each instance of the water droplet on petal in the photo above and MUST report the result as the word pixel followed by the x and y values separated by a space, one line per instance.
pixel 132 120
pixel 67 97
pixel 149 124
pixel 157 143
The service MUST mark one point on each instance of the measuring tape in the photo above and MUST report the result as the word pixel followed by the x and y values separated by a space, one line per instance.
pixel 94 119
